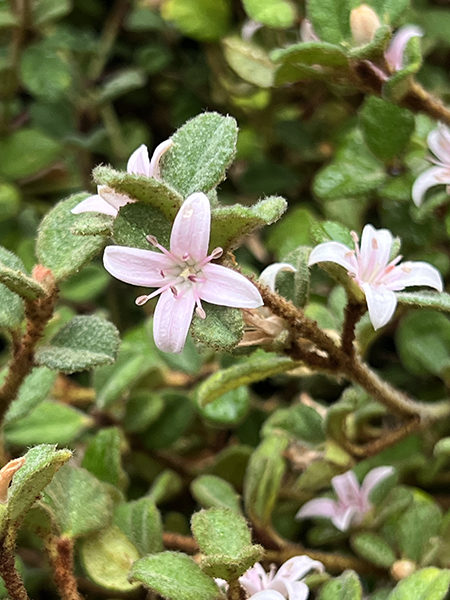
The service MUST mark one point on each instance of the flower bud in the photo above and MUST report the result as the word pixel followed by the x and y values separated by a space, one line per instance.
pixel 364 23
pixel 402 569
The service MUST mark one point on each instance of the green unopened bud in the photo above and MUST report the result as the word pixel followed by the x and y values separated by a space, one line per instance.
pixel 364 23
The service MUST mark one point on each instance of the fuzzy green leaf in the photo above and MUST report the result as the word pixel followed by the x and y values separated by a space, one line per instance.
pixel 273 13
pixel 172 423
pixel 165 487
pixel 345 587
pixel 222 329
pixel 249 61
pixel 35 388
pixel 16 280
pixel 11 305
pixel 84 343
pixel 120 83
pixel 330 19
pixel 436 300
pixel 44 72
pixel 140 521
pixel 426 584
pixel 300 421
pixel 415 527
pixel 229 409
pixel 59 249
pixel 25 152
pixel 213 492
pixel 102 457
pixel 91 223
pixel 135 221
pixel 312 53
pixel 142 409
pixel 374 548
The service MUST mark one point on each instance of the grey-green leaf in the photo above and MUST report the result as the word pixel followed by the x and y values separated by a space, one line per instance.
pixel 426 584
pixel 214 492
pixel 345 587
pixel 140 521
pixel 11 305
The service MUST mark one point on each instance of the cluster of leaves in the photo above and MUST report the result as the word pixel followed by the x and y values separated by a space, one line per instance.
pixel 193 447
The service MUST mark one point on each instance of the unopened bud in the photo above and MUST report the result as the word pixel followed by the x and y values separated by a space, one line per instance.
pixel 45 277
pixel 402 569
pixel 6 475
pixel 364 23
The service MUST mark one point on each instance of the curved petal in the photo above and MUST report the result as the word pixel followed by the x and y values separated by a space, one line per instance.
pixel 426 180
pixel 253 579
pixel 269 274
pixel 343 519
pixel 154 168
pixel 438 141
pixel 267 595
pixel 381 305
pixel 319 507
pixel 373 478
pixel 307 33
pixel 414 273
pixel 394 53
pixel 297 590
pixel 346 487
pixel 376 245
pixel 135 266
pixel 94 204
pixel 225 287
pixel 190 231
pixel 112 197
pixel 297 567
pixel 333 252
pixel 171 321
pixel 139 162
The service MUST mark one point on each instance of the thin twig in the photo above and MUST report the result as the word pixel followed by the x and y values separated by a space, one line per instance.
pixel 60 553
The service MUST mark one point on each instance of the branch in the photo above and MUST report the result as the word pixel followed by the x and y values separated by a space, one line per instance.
pixel 11 578
pixel 60 553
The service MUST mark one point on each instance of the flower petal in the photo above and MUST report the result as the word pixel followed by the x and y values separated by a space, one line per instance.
pixel 94 204
pixel 415 273
pixel 190 231
pixel 426 180
pixel 319 507
pixel 346 487
pixel 343 519
pixel 307 33
pixel 394 53
pixel 267 595
pixel 381 305
pixel 112 197
pixel 154 169
pixel 171 321
pixel 333 252
pixel 269 274
pixel 297 590
pixel 297 567
pixel 139 162
pixel 225 287
pixel 376 245
pixel 373 478
pixel 253 579
pixel 439 143
pixel 135 266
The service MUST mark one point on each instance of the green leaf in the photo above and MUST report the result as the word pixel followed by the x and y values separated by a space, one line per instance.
pixel 301 422
pixel 249 61
pixel 415 527
pixel 425 584
pixel 57 248
pixel 292 73
pixel 258 367
pixel 263 478
pixel 173 422
pixel 135 221
pixel 25 152
pixel 142 409
pixel 140 521
pixel 203 20
pixel 345 587
pixel 84 343
pixel 35 388
pixel 41 464
pixel 10 198
pixel 273 13
pixel 166 486
pixel 330 19
pixel 11 305
pixel 312 53
pixel 45 73
pixel 423 342
pixel 90 223
pixel 225 539
pixel 374 548
pixel 46 11
pixel 103 457
pixel 174 576
pixel 294 286
pixel 230 223
pixel 387 128
pixel 107 557
pixel 229 409
pixel 120 83
pixel 17 281
pixel 222 329
pixel 49 422
pixel 203 150
pixel 439 301
pixel 292 231
pixel 78 502
pixel 214 492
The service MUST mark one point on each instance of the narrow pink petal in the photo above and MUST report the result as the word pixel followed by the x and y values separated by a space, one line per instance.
pixel 139 162
pixel 307 33
pixel 269 274
pixel 373 478
pixel 154 169
pixel 381 305
pixel 171 321
pixel 394 53
pixel 319 507
pixel 297 590
pixel 190 231
pixel 439 143
pixel 333 252
pixel 267 595
pixel 135 266
pixel 427 179
pixel 112 197
pixel 225 287
pixel 297 567
pixel 343 519
pixel 376 247
pixel 94 204
pixel 346 487
pixel 411 273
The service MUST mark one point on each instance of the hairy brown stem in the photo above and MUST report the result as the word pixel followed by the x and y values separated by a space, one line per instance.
pixel 386 441
pixel 60 553
pixel 353 312
pixel 11 578
pixel 235 591
pixel 176 541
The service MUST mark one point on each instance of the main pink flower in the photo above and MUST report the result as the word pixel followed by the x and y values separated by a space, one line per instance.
pixel 374 272
pixel 107 200
pixel 439 143
pixel 353 500
pixel 184 276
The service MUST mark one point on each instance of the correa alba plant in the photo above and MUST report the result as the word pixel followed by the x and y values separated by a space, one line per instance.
pixel 240 411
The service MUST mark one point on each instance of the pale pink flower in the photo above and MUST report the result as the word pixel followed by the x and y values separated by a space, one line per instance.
pixel 394 54
pixel 439 143
pixel 184 275
pixel 269 275
pixel 353 499
pixel 107 200
pixel 285 583
pixel 374 272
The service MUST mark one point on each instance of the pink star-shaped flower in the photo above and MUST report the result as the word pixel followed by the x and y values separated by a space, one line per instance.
pixel 375 274
pixel 439 143
pixel 107 200
pixel 184 275
pixel 352 499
